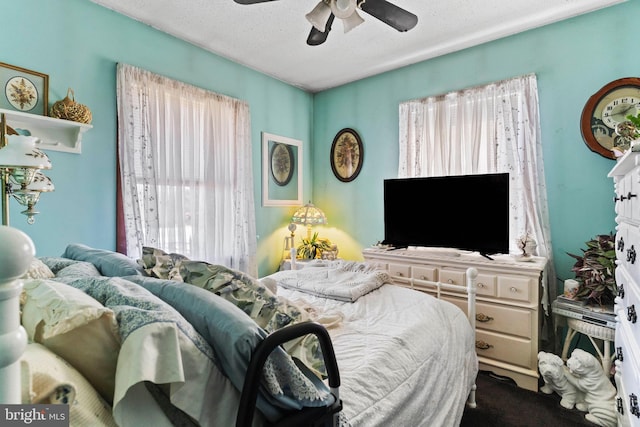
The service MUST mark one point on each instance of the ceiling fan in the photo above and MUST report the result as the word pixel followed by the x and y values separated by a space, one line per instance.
pixel 323 15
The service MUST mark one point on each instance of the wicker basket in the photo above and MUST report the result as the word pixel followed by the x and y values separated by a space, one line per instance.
pixel 69 109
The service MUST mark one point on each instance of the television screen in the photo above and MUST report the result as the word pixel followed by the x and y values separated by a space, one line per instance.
pixel 468 212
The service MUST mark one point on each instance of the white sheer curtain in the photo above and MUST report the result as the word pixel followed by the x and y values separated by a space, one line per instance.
pixel 187 180
pixel 488 129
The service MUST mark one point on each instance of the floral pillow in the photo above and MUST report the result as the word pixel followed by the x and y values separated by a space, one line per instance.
pixel 159 264
pixel 56 264
pixel 269 311
pixel 38 270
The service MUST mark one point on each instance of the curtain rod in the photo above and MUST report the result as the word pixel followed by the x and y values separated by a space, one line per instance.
pixel 443 95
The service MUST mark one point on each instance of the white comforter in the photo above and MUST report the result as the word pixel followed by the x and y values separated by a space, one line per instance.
pixel 405 358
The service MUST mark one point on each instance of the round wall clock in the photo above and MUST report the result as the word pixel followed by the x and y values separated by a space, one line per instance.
pixel 346 155
pixel 282 163
pixel 607 109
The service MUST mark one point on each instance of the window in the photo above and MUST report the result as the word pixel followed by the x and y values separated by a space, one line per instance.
pixel 186 172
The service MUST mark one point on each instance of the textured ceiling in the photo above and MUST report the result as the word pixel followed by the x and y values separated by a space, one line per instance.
pixel 271 37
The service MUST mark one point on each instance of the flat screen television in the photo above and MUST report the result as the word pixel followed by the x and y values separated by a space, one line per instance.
pixel 468 212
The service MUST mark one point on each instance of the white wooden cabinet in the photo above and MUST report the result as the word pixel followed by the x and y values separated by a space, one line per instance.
pixel 626 177
pixel 508 317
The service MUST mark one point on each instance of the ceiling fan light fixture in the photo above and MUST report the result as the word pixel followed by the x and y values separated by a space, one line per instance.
pixel 343 9
pixel 319 16
pixel 351 22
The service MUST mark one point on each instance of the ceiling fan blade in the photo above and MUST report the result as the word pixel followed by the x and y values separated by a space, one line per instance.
pixel 390 14
pixel 251 1
pixel 317 37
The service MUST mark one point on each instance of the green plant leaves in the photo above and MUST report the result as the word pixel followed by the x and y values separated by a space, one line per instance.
pixel 595 270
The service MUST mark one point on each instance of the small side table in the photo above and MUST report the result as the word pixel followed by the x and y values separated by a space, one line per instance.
pixel 593 332
pixel 571 317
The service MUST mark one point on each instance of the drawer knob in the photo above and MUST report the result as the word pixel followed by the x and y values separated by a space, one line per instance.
pixel 619 355
pixel 619 405
pixel 631 314
pixel 423 278
pixel 450 281
pixel 483 345
pixel 621 290
pixel 513 289
pixel 481 285
pixel 400 274
pixel 633 405
pixel 481 317
pixel 631 255
pixel 620 244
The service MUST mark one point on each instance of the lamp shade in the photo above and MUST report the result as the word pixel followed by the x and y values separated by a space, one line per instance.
pixel 352 21
pixel 319 16
pixel 309 215
pixel 21 152
pixel 343 8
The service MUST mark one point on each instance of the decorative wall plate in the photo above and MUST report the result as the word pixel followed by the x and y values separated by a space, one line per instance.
pixel 281 163
pixel 346 155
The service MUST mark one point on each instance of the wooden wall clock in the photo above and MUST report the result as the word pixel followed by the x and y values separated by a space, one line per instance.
pixel 346 155
pixel 605 110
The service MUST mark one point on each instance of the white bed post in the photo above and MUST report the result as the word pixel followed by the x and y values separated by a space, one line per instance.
pixel 472 275
pixel 294 254
pixel 16 253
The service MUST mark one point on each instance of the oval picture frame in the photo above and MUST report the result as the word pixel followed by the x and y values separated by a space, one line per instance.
pixel 346 155
pixel 282 167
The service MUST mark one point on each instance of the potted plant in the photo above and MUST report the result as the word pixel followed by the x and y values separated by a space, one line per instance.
pixel 312 247
pixel 595 270
pixel 634 129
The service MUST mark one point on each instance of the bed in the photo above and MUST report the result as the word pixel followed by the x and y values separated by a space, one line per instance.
pixel 132 342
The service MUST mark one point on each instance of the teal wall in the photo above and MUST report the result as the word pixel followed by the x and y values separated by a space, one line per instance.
pixel 572 60
pixel 78 44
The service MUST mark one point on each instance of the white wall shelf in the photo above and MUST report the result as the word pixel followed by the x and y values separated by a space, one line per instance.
pixel 54 134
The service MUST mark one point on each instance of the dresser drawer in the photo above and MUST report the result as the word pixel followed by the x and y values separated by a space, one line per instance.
pixel 627 376
pixel 624 284
pixel 628 316
pixel 453 277
pixel 425 273
pixel 516 351
pixel 501 319
pixel 400 273
pixel 514 288
pixel 628 249
pixel 486 285
pixel 630 203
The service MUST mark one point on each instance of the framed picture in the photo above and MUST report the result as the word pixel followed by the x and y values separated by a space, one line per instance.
pixel 282 163
pixel 24 90
pixel 346 155
pixel 281 171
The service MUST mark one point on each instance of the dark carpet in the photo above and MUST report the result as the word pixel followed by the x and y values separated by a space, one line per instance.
pixel 502 404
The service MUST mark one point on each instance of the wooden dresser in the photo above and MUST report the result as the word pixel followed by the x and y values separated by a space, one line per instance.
pixel 626 177
pixel 507 307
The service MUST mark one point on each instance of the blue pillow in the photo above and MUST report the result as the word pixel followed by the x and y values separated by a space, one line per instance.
pixel 232 334
pixel 112 264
